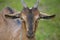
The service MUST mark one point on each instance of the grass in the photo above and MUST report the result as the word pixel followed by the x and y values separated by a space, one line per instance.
pixel 47 29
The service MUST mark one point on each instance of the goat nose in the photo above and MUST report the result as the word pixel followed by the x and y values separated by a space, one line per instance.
pixel 30 33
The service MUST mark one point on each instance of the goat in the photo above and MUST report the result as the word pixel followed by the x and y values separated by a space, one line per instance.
pixel 29 18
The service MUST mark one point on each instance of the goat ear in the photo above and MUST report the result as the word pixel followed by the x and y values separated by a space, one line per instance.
pixel 46 16
pixel 12 16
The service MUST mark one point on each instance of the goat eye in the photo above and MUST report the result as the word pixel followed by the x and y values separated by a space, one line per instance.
pixel 22 19
pixel 38 18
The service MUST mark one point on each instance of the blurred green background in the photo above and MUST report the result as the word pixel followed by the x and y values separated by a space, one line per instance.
pixel 47 29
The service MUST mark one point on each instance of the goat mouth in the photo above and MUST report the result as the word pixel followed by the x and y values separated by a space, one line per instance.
pixel 30 36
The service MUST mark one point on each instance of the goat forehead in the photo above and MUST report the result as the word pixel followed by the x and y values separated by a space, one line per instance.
pixel 30 20
pixel 30 16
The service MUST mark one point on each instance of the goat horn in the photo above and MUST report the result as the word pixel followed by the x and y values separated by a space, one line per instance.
pixel 36 4
pixel 23 3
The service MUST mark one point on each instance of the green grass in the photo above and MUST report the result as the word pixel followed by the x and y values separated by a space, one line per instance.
pixel 47 29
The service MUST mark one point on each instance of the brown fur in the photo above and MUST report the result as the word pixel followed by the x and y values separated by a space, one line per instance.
pixel 9 30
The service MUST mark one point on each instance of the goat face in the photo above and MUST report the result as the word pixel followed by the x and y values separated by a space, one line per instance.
pixel 30 19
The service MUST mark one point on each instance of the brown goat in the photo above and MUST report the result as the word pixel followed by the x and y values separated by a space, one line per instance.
pixel 12 28
pixel 29 18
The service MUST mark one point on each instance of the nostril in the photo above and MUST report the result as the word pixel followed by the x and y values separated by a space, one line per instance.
pixel 30 33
